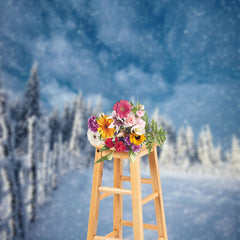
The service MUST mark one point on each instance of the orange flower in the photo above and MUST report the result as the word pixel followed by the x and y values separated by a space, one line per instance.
pixel 103 128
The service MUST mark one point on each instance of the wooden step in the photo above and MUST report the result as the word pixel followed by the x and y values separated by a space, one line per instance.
pixel 161 238
pixel 107 238
pixel 143 180
pixel 145 225
pixel 115 190
pixel 104 195
pixel 112 234
pixel 149 198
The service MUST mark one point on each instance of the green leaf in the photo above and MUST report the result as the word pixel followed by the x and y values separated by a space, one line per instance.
pixel 109 156
pixel 101 159
pixel 104 148
pixel 105 158
pixel 132 156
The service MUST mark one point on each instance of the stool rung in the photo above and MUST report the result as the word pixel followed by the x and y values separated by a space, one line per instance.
pixel 161 238
pixel 149 198
pixel 143 180
pixel 104 195
pixel 145 225
pixel 107 238
pixel 112 234
pixel 115 190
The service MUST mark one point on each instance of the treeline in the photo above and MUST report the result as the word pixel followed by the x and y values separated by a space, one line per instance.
pixel 36 150
pixel 180 153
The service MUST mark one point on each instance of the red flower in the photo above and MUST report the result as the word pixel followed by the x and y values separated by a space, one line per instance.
pixel 109 143
pixel 120 147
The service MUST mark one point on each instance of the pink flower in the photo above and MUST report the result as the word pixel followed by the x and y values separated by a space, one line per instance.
pixel 140 113
pixel 122 108
pixel 141 122
pixel 130 120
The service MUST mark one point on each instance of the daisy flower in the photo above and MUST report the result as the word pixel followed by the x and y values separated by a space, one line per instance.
pixel 94 138
pixel 104 122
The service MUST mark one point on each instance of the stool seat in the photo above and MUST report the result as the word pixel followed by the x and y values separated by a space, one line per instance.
pixel 100 192
pixel 124 155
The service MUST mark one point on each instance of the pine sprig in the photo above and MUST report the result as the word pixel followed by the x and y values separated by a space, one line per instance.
pixel 154 135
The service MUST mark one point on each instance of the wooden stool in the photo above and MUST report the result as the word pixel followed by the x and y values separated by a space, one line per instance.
pixel 100 192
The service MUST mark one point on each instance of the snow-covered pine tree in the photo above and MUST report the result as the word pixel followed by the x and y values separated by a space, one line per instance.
pixel 192 149
pixel 55 128
pixel 55 166
pixel 32 162
pixel 205 147
pixel 235 154
pixel 89 151
pixel 9 174
pixel 217 156
pixel 167 154
pixel 73 108
pixel 46 168
pixel 42 137
pixel 77 127
pixel 66 124
pixel 32 94
pixel 182 159
pixel 167 126
pixel 30 107
pixel 97 110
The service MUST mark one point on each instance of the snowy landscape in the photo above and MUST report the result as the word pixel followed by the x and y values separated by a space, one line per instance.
pixel 46 173
pixel 62 61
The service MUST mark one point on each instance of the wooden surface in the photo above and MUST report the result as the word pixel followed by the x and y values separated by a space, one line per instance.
pixel 158 201
pixel 136 193
pixel 95 197
pixel 117 198
pixel 123 155
pixel 136 199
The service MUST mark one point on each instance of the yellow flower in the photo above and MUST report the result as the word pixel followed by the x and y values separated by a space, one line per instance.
pixel 137 139
pixel 103 128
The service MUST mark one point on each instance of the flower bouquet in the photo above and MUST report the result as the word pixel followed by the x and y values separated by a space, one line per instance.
pixel 126 130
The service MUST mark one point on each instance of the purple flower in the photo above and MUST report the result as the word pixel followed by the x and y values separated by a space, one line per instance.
pixel 136 148
pixel 92 124
pixel 126 148
pixel 127 140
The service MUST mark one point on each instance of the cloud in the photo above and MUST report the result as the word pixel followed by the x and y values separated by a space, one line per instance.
pixel 119 28
pixel 201 104
pixel 12 84
pixel 62 60
pixel 135 79
pixel 56 96
pixel 106 103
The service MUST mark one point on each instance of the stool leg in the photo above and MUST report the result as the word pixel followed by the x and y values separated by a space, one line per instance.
pixel 136 199
pixel 117 198
pixel 156 185
pixel 95 197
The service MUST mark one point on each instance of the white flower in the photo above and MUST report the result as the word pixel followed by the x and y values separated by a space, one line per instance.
pixel 141 107
pixel 101 115
pixel 94 138
pixel 138 129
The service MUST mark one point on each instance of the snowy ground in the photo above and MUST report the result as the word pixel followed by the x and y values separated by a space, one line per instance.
pixel 195 207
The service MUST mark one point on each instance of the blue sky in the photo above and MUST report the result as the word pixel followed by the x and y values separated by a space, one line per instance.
pixel 180 56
